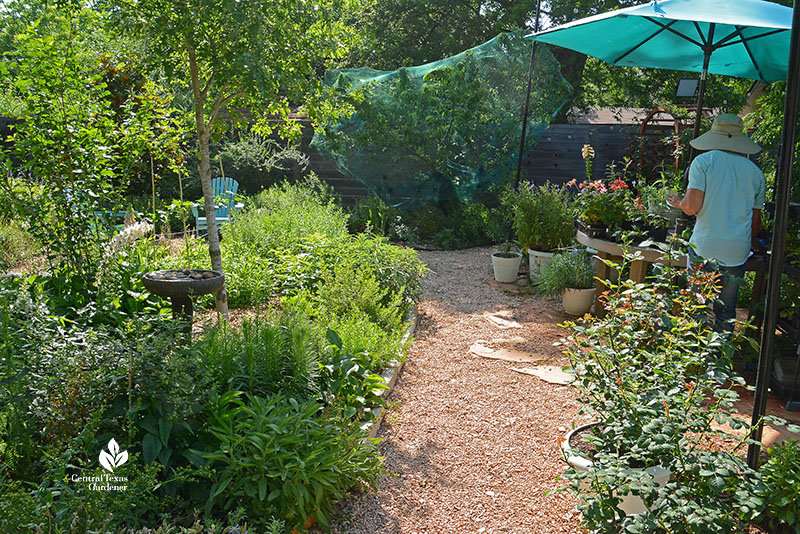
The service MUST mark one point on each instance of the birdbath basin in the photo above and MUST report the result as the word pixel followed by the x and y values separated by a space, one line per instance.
pixel 180 285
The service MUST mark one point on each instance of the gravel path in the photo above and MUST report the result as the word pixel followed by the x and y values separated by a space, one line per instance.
pixel 471 446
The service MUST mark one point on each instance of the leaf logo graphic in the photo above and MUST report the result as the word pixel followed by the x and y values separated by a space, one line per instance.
pixel 113 458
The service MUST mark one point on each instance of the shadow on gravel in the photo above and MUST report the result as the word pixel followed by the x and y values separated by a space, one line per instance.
pixel 407 472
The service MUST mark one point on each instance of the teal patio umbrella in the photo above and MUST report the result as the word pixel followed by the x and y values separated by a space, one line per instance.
pixel 742 38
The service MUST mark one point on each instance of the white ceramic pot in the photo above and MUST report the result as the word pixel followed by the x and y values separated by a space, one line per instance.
pixel 577 301
pixel 538 260
pixel 631 504
pixel 506 270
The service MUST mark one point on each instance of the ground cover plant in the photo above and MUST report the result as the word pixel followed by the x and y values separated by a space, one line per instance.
pixel 86 362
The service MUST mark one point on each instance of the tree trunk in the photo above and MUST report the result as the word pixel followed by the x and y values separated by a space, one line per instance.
pixel 204 168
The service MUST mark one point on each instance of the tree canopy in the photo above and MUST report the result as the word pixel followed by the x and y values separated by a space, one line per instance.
pixel 253 59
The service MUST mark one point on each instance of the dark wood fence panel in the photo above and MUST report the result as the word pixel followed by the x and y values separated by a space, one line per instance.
pixel 557 157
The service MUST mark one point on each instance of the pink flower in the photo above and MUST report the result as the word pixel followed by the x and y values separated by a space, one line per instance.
pixel 572 182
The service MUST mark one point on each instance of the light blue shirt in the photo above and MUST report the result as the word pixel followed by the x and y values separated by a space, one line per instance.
pixel 734 186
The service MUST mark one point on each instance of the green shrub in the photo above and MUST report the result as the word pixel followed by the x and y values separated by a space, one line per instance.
pixel 67 505
pixel 265 358
pixel 398 270
pixel 543 217
pixel 459 224
pixel 781 475
pixel 281 216
pixel 359 334
pixel 278 458
pixel 568 270
pixel 370 214
pixel 351 390
pixel 16 245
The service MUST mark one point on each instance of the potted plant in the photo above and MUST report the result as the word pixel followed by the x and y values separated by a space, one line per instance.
pixel 505 263
pixel 602 208
pixel 659 381
pixel 571 275
pixel 542 220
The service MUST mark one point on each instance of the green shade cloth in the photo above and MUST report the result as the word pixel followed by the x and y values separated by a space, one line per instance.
pixel 746 38
pixel 445 131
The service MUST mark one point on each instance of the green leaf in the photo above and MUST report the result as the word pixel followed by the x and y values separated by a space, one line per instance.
pixel 151 447
pixel 334 339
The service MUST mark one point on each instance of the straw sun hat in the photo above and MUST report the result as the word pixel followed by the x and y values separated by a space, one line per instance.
pixel 726 134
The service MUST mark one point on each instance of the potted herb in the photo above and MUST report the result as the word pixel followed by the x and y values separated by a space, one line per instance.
pixel 505 263
pixel 542 220
pixel 571 275
pixel 659 382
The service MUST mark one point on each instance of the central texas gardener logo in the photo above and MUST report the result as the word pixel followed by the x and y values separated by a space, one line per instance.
pixel 113 458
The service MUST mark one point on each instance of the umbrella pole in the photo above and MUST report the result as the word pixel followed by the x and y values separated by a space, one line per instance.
pixel 701 93
pixel 526 106
pixel 783 184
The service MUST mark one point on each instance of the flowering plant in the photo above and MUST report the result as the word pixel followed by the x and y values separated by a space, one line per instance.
pixel 659 381
pixel 604 204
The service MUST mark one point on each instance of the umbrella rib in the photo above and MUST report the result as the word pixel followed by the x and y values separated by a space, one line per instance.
pixel 700 33
pixel 667 27
pixel 753 38
pixel 750 53
pixel 663 27
pixel 724 41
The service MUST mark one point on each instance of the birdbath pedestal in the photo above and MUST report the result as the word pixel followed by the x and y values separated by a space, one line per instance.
pixel 180 285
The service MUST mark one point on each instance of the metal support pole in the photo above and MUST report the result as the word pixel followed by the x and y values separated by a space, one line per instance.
pixel 783 181
pixel 527 98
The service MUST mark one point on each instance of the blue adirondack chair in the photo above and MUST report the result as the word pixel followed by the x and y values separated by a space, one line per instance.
pixel 225 192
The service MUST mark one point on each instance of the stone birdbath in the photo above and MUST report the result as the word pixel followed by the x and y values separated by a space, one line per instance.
pixel 180 285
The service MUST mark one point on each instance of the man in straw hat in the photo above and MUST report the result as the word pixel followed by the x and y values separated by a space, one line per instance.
pixel 726 193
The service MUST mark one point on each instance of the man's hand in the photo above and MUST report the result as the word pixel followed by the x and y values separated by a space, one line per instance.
pixel 675 201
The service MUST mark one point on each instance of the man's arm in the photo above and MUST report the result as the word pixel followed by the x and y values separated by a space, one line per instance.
pixel 691 203
pixel 755 243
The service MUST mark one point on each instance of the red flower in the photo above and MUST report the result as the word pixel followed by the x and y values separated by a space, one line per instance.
pixel 618 184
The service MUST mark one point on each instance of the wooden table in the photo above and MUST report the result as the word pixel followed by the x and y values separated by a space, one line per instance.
pixel 643 257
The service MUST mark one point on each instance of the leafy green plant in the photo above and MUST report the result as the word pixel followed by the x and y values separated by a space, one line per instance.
pixel 658 379
pixel 543 217
pixel 507 250
pixel 781 475
pixel 351 388
pixel 278 458
pixel 567 270
pixel 381 346
pixel 281 216
pixel 371 214
pixel 265 358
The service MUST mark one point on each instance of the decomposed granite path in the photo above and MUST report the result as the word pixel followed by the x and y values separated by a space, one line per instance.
pixel 470 444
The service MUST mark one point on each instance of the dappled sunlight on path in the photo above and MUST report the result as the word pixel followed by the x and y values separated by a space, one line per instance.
pixel 470 445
